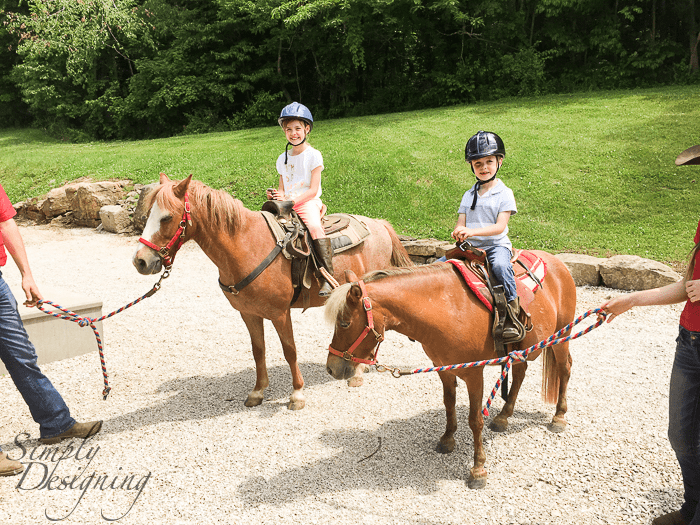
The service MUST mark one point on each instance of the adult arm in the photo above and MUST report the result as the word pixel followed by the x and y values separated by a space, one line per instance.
pixel 669 294
pixel 14 244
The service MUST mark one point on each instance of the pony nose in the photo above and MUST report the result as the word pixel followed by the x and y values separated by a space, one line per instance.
pixel 140 265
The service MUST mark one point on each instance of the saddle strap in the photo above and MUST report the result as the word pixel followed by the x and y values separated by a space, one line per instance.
pixel 236 288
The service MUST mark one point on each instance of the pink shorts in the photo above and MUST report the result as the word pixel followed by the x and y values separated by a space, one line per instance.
pixel 311 212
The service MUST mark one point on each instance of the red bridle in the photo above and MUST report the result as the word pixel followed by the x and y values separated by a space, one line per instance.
pixel 347 355
pixel 177 240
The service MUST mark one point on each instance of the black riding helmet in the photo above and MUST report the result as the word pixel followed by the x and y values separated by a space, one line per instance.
pixel 483 144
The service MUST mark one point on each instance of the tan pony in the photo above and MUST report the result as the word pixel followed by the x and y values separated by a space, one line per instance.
pixel 432 305
pixel 237 240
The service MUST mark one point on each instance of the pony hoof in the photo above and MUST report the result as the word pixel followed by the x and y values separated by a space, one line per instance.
pixel 356 381
pixel 253 401
pixel 476 483
pixel 499 425
pixel 445 448
pixel 557 426
pixel 296 405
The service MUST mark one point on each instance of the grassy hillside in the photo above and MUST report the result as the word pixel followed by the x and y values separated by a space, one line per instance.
pixel 592 173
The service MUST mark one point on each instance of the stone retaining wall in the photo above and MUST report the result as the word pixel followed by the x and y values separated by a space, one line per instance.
pixel 118 207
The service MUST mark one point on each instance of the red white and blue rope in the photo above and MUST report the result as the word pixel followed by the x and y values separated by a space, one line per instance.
pixel 90 321
pixel 517 355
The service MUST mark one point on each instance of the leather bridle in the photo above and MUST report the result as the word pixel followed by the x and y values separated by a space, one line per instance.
pixel 177 241
pixel 347 355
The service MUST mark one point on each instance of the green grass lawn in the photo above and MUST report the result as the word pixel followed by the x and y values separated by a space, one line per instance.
pixel 592 173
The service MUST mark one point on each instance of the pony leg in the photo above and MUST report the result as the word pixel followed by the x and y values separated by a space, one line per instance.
pixel 500 422
pixel 257 338
pixel 475 385
pixel 563 369
pixel 283 325
pixel 449 394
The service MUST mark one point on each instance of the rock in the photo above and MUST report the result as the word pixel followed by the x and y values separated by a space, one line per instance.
pixel 141 213
pixel 630 272
pixel 89 198
pixel 115 219
pixel 421 247
pixel 56 203
pixel 585 269
pixel 442 249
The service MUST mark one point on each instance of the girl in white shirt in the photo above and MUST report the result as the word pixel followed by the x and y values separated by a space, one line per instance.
pixel 300 181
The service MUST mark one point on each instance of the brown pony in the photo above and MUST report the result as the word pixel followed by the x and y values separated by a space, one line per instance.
pixel 432 304
pixel 237 240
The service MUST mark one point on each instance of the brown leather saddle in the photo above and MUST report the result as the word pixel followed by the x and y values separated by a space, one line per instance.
pixel 345 231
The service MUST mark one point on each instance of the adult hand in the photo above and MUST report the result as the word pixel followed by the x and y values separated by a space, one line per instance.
pixel 692 288
pixel 31 290
pixel 615 307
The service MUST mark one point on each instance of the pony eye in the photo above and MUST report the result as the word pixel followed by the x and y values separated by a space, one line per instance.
pixel 344 324
pixel 166 218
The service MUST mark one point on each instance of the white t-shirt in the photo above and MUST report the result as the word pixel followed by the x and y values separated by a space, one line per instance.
pixel 296 174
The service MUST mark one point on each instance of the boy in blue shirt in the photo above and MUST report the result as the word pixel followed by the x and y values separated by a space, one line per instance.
pixel 483 219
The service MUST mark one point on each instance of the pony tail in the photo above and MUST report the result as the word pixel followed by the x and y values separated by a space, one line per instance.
pixel 691 262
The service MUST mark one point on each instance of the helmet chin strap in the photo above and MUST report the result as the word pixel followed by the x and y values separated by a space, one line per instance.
pixel 293 146
pixel 479 183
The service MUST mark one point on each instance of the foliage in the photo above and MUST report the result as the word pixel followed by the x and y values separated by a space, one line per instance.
pixel 153 68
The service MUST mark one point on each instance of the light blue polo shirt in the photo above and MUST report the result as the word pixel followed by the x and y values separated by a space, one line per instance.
pixel 498 199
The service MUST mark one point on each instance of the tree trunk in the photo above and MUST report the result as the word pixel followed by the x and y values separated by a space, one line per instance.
pixel 694 39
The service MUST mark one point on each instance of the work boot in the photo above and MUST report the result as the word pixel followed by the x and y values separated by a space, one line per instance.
pixel 672 518
pixel 513 331
pixel 79 430
pixel 9 467
pixel 324 252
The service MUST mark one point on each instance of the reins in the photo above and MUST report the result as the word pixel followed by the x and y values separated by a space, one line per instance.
pixel 507 361
pixel 90 321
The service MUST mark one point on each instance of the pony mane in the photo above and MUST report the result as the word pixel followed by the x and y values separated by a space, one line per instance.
pixel 219 209
pixel 337 301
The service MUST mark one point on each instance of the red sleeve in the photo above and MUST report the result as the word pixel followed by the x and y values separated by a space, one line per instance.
pixel 6 210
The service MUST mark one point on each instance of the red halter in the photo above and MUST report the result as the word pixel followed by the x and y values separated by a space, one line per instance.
pixel 177 240
pixel 347 355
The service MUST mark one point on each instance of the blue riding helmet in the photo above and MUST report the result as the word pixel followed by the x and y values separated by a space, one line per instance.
pixel 295 110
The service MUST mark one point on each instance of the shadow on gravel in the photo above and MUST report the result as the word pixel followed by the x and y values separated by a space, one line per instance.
pixel 204 397
pixel 399 454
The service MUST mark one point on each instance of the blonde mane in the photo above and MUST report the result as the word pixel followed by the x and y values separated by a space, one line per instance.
pixel 216 207
pixel 337 302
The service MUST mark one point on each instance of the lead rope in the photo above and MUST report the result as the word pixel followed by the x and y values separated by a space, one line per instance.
pixel 507 361
pixel 89 321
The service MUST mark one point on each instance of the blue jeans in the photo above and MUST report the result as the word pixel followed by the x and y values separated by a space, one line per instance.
pixel 19 357
pixel 501 268
pixel 684 418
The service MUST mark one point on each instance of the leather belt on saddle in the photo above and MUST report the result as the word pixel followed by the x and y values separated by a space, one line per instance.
pixel 529 270
pixel 345 231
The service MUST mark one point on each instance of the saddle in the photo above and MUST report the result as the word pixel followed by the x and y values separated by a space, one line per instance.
pixel 529 270
pixel 345 232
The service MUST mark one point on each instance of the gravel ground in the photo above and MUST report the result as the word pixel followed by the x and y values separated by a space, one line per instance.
pixel 179 447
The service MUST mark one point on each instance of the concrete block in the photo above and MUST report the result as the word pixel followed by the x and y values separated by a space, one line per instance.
pixel 54 338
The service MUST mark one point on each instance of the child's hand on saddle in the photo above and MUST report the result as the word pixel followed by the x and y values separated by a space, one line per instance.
pixel 272 194
pixel 460 234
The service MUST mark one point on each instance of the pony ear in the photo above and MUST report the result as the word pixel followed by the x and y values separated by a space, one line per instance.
pixel 354 293
pixel 164 178
pixel 181 187
pixel 350 276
